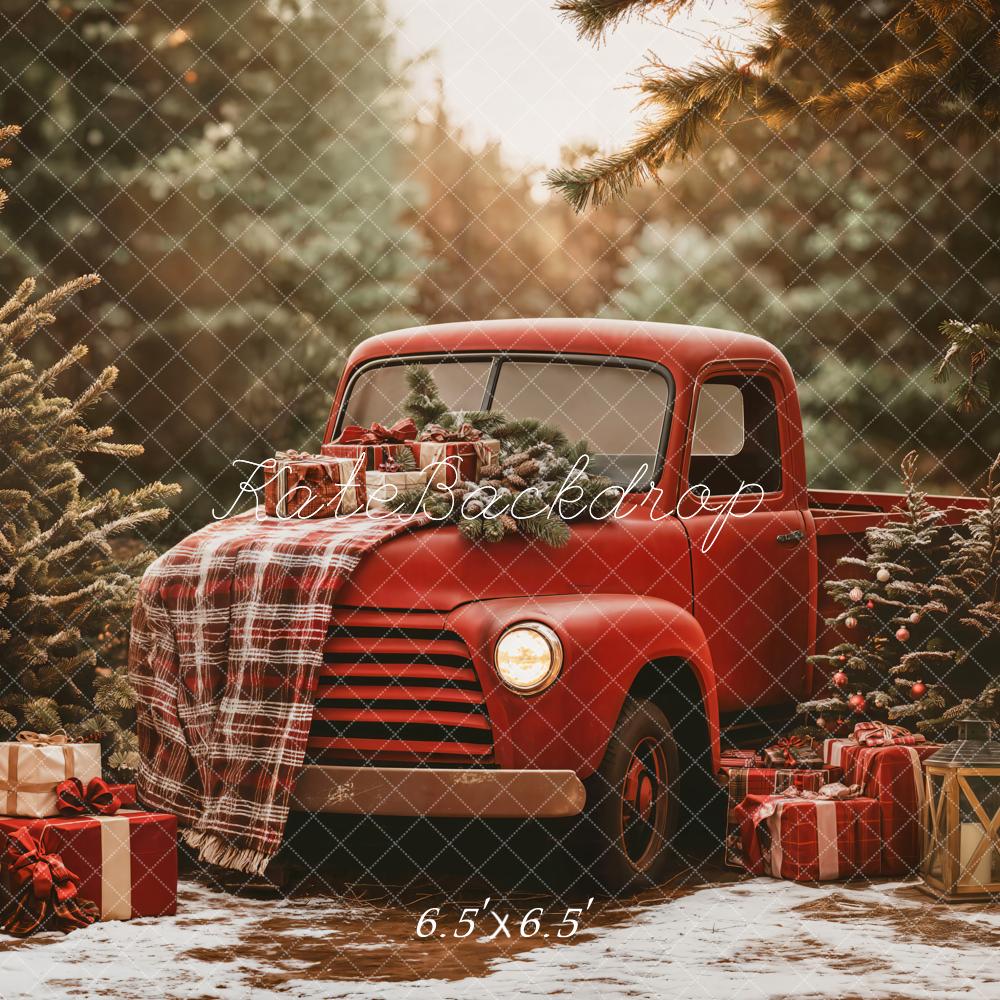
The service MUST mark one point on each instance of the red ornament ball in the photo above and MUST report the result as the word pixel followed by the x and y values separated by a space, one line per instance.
pixel 842 658
pixel 870 605
pixel 855 594
pixel 918 690
pixel 840 679
pixel 857 702
pixel 903 634
pixel 850 622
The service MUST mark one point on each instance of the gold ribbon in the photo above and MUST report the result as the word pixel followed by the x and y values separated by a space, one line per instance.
pixel 56 739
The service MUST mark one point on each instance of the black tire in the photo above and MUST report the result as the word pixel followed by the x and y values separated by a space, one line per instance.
pixel 632 803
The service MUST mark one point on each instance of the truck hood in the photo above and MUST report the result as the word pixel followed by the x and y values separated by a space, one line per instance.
pixel 435 568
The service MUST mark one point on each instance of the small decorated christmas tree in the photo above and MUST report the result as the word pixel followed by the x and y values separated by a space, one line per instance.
pixel 956 670
pixel 882 598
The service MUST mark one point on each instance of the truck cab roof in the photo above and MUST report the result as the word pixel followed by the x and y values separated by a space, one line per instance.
pixel 683 349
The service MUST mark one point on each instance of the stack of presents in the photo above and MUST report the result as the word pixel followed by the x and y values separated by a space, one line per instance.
pixel 367 468
pixel 74 848
pixel 847 808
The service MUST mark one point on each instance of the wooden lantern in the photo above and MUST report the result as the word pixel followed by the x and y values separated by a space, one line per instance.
pixel 961 856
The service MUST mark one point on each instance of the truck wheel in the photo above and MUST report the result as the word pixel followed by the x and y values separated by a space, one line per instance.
pixel 632 800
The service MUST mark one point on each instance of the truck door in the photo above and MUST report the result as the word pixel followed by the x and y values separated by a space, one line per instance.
pixel 750 555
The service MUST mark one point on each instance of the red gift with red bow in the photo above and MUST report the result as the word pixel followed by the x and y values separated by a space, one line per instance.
pixel 372 447
pixel 124 863
pixel 40 890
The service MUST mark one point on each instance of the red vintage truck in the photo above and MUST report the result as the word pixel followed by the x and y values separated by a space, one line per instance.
pixel 595 680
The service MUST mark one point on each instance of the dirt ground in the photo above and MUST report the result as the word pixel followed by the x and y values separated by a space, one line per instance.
pixel 349 925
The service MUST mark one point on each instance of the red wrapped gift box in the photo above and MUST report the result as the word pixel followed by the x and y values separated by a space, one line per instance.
pixel 126 863
pixel 372 447
pixel 310 486
pixel 126 795
pixel 743 781
pixel 811 839
pixel 893 775
pixel 370 457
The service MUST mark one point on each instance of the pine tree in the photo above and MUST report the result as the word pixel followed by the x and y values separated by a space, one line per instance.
pixel 232 170
pixel 957 659
pixel 69 561
pixel 925 70
pixel 882 598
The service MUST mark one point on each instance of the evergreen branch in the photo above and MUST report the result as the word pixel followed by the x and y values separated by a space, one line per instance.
pixel 593 19
pixel 691 99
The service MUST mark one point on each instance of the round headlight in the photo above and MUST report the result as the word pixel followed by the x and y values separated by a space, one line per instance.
pixel 528 657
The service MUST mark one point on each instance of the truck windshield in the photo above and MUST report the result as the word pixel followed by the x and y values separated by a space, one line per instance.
pixel 619 409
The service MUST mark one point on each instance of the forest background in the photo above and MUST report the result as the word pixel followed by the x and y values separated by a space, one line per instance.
pixel 263 185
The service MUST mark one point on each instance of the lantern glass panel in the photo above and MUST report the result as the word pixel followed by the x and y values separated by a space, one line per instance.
pixel 934 830
pixel 982 804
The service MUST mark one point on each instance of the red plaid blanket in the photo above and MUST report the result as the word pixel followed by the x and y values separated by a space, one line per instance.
pixel 227 634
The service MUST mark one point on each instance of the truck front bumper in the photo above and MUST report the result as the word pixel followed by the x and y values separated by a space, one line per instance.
pixel 441 792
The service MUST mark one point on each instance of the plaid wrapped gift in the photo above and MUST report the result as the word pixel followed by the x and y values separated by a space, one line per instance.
pixel 813 839
pixel 881 734
pixel 739 758
pixel 32 766
pixel 793 751
pixel 841 753
pixel 893 775
pixel 385 487
pixel 743 781
pixel 298 485
pixel 450 456
pixel 374 446
pixel 126 864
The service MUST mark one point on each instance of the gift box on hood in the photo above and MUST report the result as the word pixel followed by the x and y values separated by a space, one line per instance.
pixel 374 447
pixel 298 485
pixel 451 455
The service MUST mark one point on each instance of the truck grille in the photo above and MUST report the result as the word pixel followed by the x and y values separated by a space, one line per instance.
pixel 397 688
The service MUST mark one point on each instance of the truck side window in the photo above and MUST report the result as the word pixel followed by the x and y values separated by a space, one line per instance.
pixel 735 436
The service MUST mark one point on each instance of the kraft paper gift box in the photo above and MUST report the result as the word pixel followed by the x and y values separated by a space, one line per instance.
pixel 30 771
pixel 811 839
pixel 893 776
pixel 449 462
pixel 743 781
pixel 126 864
pixel 303 486
pixel 384 488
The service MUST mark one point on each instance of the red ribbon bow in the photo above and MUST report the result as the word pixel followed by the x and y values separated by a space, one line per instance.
pixel 72 799
pixel 787 744
pixel 41 888
pixel 400 432
pixel 435 432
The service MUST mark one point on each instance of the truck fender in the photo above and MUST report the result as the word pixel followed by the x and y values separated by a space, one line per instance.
pixel 608 639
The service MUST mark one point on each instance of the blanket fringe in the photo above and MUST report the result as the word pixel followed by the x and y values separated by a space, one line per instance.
pixel 214 850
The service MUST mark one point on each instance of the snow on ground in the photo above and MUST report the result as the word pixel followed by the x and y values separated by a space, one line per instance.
pixel 746 940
